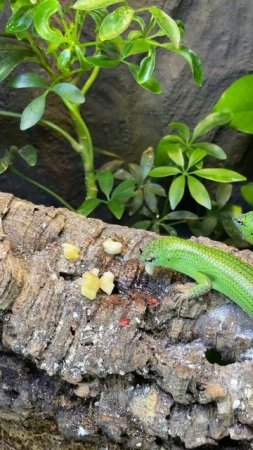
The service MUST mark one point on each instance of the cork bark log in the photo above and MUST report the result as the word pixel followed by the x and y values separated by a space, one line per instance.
pixel 125 371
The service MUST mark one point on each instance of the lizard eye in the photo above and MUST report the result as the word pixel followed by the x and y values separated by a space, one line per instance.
pixel 150 259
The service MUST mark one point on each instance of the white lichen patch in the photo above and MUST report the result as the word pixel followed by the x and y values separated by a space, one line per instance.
pixel 112 247
pixel 71 252
pixel 106 282
pixel 82 432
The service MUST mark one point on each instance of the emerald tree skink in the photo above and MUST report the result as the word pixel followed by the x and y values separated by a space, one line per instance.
pixel 210 267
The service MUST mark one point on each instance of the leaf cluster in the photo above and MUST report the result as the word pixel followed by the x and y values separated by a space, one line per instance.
pixel 184 155
pixel 28 153
pixel 49 35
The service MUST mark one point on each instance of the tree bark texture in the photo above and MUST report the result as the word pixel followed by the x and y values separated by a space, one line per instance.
pixel 127 370
pixel 125 118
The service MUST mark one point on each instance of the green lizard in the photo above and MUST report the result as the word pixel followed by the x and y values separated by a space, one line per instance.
pixel 244 223
pixel 210 267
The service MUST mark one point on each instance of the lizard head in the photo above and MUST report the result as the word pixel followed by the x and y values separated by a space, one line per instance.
pixel 244 223
pixel 152 256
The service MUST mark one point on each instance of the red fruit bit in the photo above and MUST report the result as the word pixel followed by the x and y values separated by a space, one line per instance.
pixel 153 302
pixel 124 321
pixel 53 427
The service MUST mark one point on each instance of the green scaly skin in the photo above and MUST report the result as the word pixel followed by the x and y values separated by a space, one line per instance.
pixel 244 223
pixel 210 267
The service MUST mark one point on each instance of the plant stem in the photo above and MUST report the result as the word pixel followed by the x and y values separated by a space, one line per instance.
pixel 83 146
pixel 41 56
pixel 86 149
pixel 91 80
pixel 44 188
pixel 74 144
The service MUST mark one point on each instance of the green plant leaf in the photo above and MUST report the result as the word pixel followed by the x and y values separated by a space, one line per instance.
pixel 198 192
pixel 33 112
pixel 29 154
pixel 223 194
pixel 135 47
pixel 98 16
pixel 124 191
pixel 220 175
pixel 105 181
pixel 197 155
pixel 42 14
pixel 175 153
pixel 176 191
pixel 135 34
pixel 194 62
pixel 181 215
pixel 112 165
pixel 184 130
pixel 142 224
pixel 90 5
pixel 84 64
pixel 122 174
pixel 157 189
pixel 11 44
pixel 152 84
pixel 21 20
pixel 63 60
pixel 116 23
pixel 147 161
pixel 88 206
pixel 136 202
pixel 103 61
pixel 134 170
pixel 209 122
pixel 207 225
pixel 247 193
pixel 28 80
pixel 211 149
pixel 166 24
pixel 166 143
pixel 117 209
pixel 140 21
pixel 11 58
pixel 169 229
pixel 164 171
pixel 237 100
pixel 150 198
pixel 147 67
pixel 5 162
pixel 69 92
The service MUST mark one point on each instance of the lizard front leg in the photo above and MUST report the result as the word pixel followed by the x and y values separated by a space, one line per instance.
pixel 204 285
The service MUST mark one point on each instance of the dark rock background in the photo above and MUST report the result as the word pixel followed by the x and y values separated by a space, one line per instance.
pixel 124 118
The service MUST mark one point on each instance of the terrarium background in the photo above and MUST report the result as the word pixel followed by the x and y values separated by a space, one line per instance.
pixel 125 118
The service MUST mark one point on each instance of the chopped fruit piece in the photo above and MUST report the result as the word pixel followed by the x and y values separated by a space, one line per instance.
pixel 71 252
pixel 90 285
pixel 124 321
pixel 153 302
pixel 112 247
pixel 95 271
pixel 106 282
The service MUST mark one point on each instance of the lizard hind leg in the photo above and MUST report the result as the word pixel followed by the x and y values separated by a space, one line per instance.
pixel 204 285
